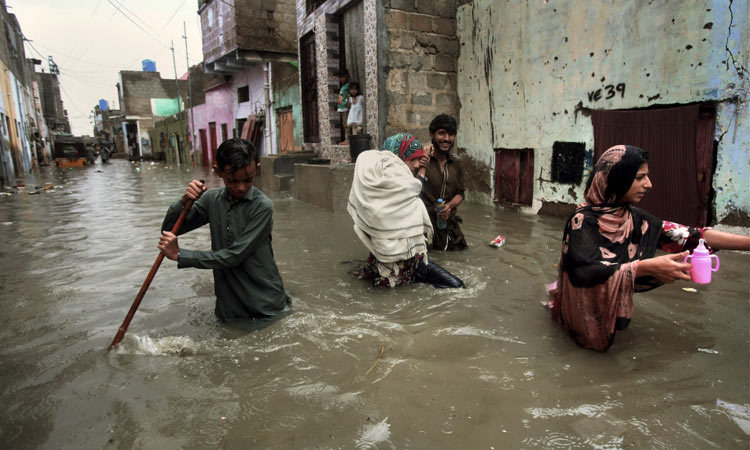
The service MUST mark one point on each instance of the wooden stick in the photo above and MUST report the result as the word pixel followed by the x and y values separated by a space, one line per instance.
pixel 134 307
pixel 382 349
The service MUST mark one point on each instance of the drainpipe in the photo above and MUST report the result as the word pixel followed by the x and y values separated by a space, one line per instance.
pixel 268 141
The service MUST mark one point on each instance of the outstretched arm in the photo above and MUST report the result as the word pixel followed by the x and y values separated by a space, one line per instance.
pixel 665 268
pixel 722 240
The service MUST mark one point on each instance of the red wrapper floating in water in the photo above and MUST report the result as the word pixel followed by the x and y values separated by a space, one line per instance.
pixel 498 242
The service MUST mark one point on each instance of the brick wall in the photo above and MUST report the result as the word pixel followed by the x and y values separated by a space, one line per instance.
pixel 138 88
pixel 420 64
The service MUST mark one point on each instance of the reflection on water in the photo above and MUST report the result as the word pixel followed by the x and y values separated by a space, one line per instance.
pixel 482 367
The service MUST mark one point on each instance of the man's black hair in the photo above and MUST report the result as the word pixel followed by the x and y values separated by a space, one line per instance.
pixel 443 122
pixel 354 84
pixel 235 153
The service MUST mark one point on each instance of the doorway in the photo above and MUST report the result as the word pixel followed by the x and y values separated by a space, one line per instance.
pixel 680 145
pixel 204 147
pixel 352 51
pixel 514 176
pixel 212 137
pixel 286 130
pixel 310 125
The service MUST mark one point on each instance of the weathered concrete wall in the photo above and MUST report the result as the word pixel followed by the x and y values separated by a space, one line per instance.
pixel 255 25
pixel 324 186
pixel 525 67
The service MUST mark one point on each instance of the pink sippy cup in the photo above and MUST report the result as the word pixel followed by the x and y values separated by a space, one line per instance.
pixel 701 261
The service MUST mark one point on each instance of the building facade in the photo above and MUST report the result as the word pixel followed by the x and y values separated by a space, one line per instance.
pixel 24 143
pixel 403 53
pixel 246 43
pixel 545 87
pixel 145 97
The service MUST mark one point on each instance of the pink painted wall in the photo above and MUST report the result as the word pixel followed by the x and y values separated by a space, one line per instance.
pixel 218 108
pixel 222 107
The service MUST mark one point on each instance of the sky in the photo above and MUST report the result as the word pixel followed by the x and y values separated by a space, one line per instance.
pixel 91 41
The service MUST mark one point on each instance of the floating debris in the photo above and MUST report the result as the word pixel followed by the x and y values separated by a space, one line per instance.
pixel 708 350
pixel 498 242
pixel 689 289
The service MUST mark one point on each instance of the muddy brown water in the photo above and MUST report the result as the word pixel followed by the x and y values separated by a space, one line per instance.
pixel 479 368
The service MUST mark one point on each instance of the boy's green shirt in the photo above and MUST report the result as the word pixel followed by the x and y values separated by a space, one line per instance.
pixel 247 281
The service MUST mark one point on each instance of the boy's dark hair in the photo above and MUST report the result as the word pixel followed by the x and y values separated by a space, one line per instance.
pixel 342 73
pixel 443 122
pixel 235 153
pixel 354 84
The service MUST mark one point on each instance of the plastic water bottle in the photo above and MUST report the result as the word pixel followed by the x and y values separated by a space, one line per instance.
pixel 702 264
pixel 441 223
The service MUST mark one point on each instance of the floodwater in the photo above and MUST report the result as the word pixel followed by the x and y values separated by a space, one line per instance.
pixel 353 367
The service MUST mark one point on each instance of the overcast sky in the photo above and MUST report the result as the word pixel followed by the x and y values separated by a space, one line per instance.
pixel 91 41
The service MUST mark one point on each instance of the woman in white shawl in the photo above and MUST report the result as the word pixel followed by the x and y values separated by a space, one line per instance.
pixel 391 219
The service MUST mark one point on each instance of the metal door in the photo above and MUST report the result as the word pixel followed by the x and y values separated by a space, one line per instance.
pixel 680 145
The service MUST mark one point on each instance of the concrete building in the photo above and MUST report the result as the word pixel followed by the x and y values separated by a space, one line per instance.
pixel 170 141
pixel 20 120
pixel 144 97
pixel 545 87
pixel 403 53
pixel 52 104
pixel 108 127
pixel 540 89
pixel 247 43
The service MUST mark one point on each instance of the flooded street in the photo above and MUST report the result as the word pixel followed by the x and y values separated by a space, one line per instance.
pixel 353 367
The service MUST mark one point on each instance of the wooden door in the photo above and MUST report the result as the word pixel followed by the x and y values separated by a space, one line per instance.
pixel 286 130
pixel 212 136
pixel 514 176
pixel 310 124
pixel 204 147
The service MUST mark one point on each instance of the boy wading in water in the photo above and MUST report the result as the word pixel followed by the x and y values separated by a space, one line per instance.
pixel 248 286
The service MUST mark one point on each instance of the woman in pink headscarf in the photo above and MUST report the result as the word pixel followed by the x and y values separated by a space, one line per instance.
pixel 608 250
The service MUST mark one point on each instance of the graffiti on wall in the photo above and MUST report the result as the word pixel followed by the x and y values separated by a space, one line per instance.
pixel 609 91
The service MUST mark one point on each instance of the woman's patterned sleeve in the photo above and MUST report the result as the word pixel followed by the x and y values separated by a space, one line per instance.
pixel 676 238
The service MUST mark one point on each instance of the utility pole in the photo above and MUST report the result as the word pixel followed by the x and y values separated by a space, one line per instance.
pixel 268 143
pixel 176 94
pixel 189 93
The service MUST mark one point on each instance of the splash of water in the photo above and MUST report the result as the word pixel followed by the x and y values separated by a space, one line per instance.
pixel 373 434
pixel 170 345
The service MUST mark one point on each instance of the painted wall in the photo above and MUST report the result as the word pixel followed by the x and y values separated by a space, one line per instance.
pixel 166 135
pixel 525 67
pixel 253 77
pixel 217 108
pixel 286 94
pixel 6 147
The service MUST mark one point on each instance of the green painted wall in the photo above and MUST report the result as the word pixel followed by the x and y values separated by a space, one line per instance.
pixel 172 126
pixel 285 94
